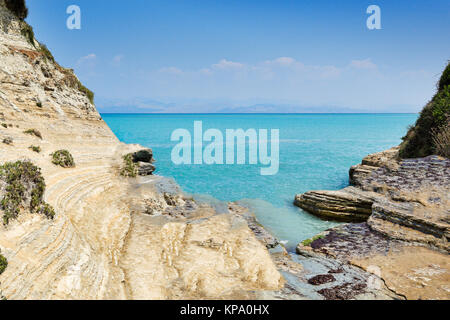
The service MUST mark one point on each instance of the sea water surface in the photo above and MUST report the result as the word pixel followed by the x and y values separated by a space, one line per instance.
pixel 316 152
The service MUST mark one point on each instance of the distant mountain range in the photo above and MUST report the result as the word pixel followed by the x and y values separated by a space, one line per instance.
pixel 142 105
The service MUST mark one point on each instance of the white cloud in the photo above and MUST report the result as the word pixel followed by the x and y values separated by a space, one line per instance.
pixel 89 59
pixel 363 64
pixel 225 64
pixel 287 80
pixel 285 61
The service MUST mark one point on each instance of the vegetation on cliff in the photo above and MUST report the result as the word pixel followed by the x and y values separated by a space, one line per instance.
pixel 33 132
pixel 36 149
pixel 130 169
pixel 430 134
pixel 28 32
pixel 18 7
pixel 86 91
pixel 63 158
pixel 3 263
pixel 308 242
pixel 23 187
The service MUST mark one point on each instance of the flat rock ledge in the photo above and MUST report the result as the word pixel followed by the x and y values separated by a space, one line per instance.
pixel 349 204
pixel 401 223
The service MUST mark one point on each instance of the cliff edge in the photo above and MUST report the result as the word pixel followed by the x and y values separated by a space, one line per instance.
pixel 105 236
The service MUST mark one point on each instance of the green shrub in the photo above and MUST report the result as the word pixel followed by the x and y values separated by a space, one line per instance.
pixel 39 104
pixel 445 78
pixel 18 7
pixel 441 141
pixel 130 168
pixel 87 92
pixel 25 188
pixel 441 108
pixel 45 52
pixel 419 141
pixel 35 148
pixel 4 125
pixel 33 132
pixel 3 264
pixel 63 158
pixel 28 33
pixel 308 242
pixel 47 210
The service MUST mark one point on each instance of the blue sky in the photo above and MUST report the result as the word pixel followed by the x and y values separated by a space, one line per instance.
pixel 275 56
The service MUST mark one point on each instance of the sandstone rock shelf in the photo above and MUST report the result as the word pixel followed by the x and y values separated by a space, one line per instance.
pixel 404 206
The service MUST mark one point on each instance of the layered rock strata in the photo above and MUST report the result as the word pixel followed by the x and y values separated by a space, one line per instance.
pixel 112 237
pixel 404 206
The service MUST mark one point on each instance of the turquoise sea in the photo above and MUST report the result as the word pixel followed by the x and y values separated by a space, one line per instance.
pixel 316 151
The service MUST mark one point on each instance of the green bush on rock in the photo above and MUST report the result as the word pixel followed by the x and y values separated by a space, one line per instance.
pixel 33 132
pixel 445 79
pixel 441 140
pixel 36 149
pixel 63 158
pixel 24 189
pixel 308 242
pixel 130 169
pixel 420 141
pixel 45 52
pixel 28 32
pixel 87 92
pixel 3 264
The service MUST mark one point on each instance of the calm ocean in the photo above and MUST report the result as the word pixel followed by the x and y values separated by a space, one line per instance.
pixel 316 151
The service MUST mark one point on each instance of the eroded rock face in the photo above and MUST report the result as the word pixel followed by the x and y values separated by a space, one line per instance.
pixel 413 193
pixel 34 86
pixel 111 238
pixel 406 208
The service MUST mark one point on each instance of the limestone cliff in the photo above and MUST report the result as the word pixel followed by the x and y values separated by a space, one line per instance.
pixel 112 237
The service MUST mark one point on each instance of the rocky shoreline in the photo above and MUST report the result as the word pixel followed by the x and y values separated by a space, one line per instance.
pixel 120 233
pixel 399 214
pixel 116 231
